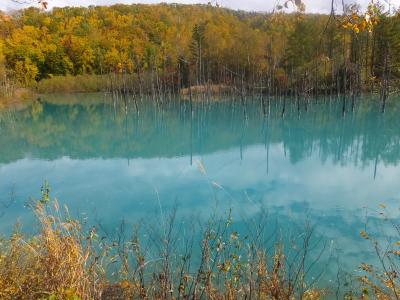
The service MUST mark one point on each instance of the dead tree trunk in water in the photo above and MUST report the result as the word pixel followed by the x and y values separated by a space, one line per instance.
pixel 242 96
pixel 385 80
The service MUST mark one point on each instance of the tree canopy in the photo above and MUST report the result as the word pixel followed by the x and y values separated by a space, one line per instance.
pixel 212 42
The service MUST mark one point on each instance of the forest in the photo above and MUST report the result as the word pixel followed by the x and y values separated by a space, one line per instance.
pixel 169 47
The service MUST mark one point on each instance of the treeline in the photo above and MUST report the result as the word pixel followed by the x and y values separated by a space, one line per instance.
pixel 170 47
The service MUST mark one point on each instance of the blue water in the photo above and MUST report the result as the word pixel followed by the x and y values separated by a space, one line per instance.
pixel 110 160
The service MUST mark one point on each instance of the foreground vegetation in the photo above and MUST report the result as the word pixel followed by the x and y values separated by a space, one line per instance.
pixel 65 260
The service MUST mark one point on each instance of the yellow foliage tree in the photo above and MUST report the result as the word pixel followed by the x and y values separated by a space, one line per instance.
pixel 26 72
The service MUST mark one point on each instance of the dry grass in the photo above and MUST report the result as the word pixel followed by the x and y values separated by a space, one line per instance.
pixel 61 262
pixel 72 84
pixel 209 89
pixel 54 263
pixel 86 83
pixel 382 281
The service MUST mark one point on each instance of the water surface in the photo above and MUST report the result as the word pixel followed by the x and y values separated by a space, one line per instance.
pixel 117 160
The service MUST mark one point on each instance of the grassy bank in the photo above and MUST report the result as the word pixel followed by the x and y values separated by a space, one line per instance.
pixel 73 84
pixel 66 261
pixel 127 83
pixel 64 85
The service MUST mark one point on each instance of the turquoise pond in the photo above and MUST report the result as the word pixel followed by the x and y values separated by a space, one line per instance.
pixel 135 160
